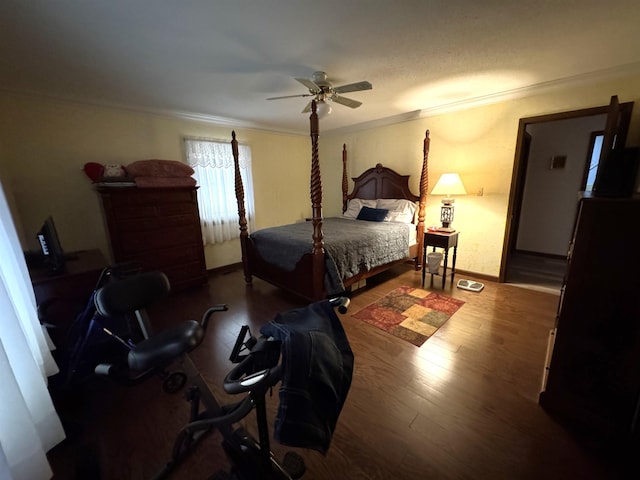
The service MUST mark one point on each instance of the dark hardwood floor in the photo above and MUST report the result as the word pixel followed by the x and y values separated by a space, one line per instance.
pixel 463 406
pixel 536 271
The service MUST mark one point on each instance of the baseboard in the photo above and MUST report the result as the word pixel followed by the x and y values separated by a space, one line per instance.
pixel 225 269
pixel 480 276
pixel 541 254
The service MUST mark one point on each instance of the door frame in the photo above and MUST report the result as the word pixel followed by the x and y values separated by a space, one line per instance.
pixel 518 176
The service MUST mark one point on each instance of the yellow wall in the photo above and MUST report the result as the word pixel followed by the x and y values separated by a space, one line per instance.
pixel 45 143
pixel 479 143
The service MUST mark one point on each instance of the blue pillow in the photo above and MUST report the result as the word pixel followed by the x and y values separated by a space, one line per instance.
pixel 372 214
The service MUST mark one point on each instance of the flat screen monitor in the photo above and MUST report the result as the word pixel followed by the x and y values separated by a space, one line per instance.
pixel 50 247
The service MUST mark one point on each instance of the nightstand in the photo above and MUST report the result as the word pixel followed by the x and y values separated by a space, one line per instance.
pixel 445 241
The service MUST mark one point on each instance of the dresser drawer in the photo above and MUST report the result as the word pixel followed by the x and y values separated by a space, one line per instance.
pixel 157 228
pixel 161 258
pixel 154 223
pixel 147 242
pixel 137 197
pixel 185 275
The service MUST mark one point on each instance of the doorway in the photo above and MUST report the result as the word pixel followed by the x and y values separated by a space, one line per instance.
pixel 554 155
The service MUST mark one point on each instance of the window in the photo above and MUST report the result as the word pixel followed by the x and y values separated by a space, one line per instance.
pixel 212 162
pixel 595 148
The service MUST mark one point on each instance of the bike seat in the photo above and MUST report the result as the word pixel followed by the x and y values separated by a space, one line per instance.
pixel 166 346
pixel 131 293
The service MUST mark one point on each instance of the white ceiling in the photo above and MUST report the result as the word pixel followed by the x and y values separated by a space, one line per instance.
pixel 221 59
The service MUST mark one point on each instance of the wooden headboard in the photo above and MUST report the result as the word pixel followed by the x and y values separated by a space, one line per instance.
pixel 381 182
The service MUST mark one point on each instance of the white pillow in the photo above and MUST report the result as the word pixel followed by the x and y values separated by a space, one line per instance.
pixel 400 210
pixel 355 205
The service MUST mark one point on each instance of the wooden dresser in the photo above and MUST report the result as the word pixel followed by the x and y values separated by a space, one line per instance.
pixel 594 371
pixel 158 228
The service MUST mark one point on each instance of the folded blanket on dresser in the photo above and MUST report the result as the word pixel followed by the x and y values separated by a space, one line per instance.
pixel 156 182
pixel 158 168
pixel 156 173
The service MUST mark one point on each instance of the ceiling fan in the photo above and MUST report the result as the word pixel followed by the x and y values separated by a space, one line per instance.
pixel 320 87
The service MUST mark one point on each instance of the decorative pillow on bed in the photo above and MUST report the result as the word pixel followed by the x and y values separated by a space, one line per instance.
pixel 372 214
pixel 354 206
pixel 400 210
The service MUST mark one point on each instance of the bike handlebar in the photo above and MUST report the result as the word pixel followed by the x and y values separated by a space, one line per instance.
pixel 256 372
pixel 242 379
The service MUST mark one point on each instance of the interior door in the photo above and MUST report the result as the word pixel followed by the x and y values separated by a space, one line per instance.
pixel 615 135
pixel 611 128
pixel 519 186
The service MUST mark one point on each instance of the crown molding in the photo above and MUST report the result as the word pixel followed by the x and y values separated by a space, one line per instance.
pixel 535 89
pixel 526 91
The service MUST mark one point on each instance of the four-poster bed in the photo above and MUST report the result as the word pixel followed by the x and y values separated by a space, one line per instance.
pixel 325 256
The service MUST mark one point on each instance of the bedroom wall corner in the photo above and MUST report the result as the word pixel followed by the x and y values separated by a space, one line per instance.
pixel 478 143
pixel 46 142
pixel 457 144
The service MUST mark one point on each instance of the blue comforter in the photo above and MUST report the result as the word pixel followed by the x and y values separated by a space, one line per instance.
pixel 351 246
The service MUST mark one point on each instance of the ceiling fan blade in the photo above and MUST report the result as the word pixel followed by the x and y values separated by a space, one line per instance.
pixel 353 87
pixel 349 102
pixel 313 88
pixel 307 109
pixel 291 96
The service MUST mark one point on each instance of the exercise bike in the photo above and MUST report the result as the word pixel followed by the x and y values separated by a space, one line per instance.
pixel 258 368
pixel 84 342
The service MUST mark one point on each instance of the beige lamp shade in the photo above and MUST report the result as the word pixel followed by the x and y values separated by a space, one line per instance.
pixel 449 184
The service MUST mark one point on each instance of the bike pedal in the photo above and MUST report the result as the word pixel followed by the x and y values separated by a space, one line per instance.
pixel 294 465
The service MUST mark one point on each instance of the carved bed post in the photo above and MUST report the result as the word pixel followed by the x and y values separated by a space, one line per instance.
pixel 345 182
pixel 316 205
pixel 242 214
pixel 424 185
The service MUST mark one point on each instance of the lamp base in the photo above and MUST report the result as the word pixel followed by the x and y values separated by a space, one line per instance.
pixel 445 229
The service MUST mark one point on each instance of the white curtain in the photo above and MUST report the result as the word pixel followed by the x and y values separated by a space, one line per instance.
pixel 214 169
pixel 29 424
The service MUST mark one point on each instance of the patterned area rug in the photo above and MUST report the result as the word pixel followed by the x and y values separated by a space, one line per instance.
pixel 411 314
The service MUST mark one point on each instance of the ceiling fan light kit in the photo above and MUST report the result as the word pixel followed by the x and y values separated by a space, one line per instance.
pixel 323 108
pixel 321 88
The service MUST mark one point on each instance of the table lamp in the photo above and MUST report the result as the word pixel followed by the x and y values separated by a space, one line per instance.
pixel 448 184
